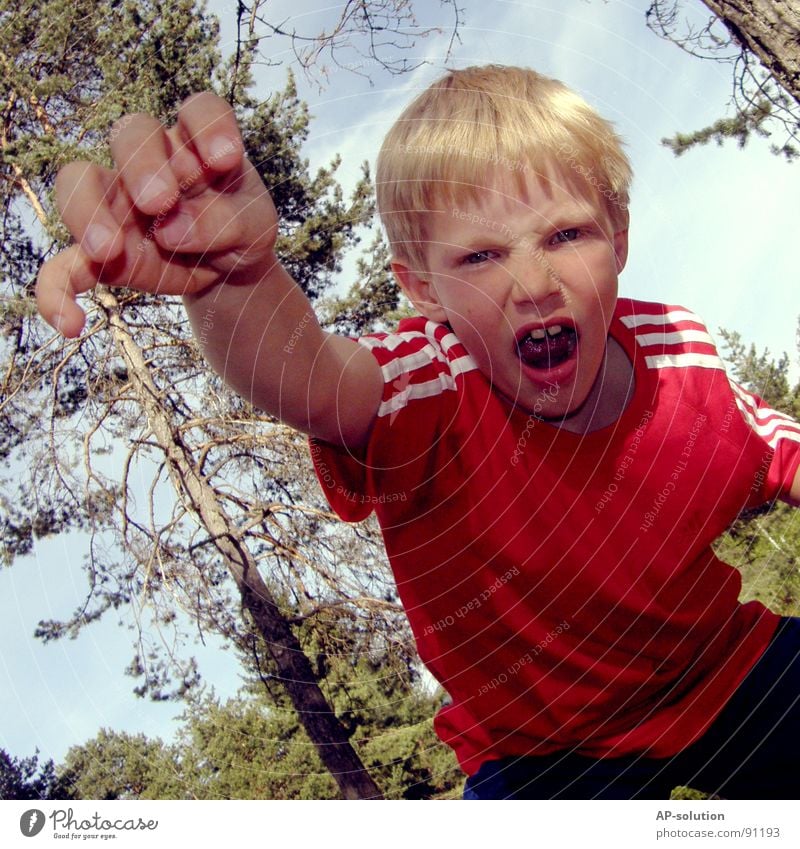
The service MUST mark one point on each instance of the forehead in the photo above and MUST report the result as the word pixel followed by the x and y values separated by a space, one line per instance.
pixel 539 200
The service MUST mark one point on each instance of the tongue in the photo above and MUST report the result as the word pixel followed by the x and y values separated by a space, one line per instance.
pixel 548 352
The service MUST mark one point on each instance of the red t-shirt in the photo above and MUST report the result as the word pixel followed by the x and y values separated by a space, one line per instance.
pixel 561 586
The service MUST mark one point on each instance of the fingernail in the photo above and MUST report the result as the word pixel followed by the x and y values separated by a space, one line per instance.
pixel 151 189
pixel 220 147
pixel 97 238
pixel 177 230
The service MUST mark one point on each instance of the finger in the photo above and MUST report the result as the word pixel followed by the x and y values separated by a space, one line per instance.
pixel 83 196
pixel 207 224
pixel 61 279
pixel 207 127
pixel 141 153
pixel 238 215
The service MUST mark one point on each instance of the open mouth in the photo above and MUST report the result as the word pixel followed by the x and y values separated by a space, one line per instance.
pixel 547 347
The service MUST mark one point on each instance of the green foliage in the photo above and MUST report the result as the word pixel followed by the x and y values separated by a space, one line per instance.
pixel 410 762
pixel 762 55
pixel 687 794
pixel 317 226
pixel 740 127
pixel 254 746
pixel 378 697
pixel 26 779
pixel 374 302
pixel 764 543
pixel 243 750
pixel 760 373
pixel 71 70
pixel 247 748
pixel 116 765
pixel 74 432
pixel 376 692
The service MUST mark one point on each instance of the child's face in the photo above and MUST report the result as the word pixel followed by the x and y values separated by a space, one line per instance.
pixel 527 279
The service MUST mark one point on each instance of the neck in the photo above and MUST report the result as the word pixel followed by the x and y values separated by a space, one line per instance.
pixel 610 395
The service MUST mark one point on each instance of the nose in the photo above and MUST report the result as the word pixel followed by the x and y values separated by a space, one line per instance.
pixel 535 280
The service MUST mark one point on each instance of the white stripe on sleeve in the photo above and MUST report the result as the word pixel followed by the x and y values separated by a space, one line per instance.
pixel 685 361
pixel 631 321
pixel 675 338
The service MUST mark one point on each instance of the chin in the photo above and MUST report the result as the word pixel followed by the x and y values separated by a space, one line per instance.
pixel 565 412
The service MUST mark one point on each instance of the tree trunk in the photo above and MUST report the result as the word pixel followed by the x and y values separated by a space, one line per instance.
pixel 771 30
pixel 294 668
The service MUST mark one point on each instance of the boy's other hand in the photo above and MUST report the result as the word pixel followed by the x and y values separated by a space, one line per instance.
pixel 181 210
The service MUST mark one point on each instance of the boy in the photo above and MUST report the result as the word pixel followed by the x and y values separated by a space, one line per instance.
pixel 549 464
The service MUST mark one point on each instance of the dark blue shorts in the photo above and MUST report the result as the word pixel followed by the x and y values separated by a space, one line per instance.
pixel 750 751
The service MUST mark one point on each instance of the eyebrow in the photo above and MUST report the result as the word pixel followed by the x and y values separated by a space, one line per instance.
pixel 502 233
pixel 572 214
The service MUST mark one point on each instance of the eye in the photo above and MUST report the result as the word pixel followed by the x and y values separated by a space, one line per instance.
pixel 479 257
pixel 569 235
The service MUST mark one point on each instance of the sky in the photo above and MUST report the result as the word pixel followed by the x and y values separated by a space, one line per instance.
pixel 710 230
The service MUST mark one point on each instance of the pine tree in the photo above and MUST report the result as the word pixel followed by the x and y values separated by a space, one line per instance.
pixel 764 543
pixel 116 765
pixel 760 40
pixel 254 747
pixel 230 528
pixel 26 779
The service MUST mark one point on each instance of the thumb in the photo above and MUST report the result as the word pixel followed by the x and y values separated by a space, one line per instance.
pixel 61 279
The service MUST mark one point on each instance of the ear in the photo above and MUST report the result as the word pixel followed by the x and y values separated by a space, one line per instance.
pixel 621 248
pixel 421 293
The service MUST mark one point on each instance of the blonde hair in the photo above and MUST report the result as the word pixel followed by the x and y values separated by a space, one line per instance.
pixel 472 124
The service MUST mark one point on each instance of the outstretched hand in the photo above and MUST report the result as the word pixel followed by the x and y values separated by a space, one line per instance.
pixel 181 210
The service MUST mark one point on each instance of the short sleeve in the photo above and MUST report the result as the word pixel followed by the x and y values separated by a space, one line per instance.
pixel 780 433
pixel 420 365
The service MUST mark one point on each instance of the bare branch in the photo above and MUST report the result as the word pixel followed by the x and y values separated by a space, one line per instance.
pixel 379 34
pixel 760 42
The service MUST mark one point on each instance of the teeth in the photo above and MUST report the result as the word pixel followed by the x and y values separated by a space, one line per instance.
pixel 554 329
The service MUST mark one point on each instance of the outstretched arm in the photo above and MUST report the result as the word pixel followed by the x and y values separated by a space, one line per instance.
pixel 184 213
